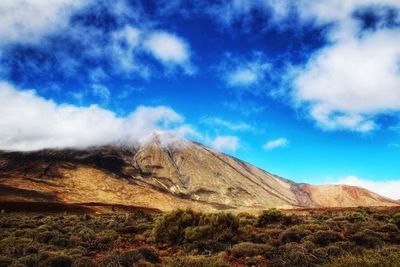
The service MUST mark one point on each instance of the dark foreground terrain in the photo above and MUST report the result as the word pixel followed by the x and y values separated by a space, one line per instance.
pixel 326 237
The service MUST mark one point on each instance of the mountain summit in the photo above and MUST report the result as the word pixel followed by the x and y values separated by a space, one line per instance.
pixel 163 171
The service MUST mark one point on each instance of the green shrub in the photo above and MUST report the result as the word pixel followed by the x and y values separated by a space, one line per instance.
pixel 323 238
pixel 196 261
pixel 313 227
pixel 84 262
pixel 269 216
pixel 15 246
pixel 293 234
pixel 58 261
pixel 248 249
pixel 29 261
pixel 291 220
pixel 294 255
pixel 218 226
pixel 354 217
pixel 107 236
pixel 205 246
pixel 368 239
pixel 328 252
pixel 372 258
pixel 365 210
pixel 149 254
pixel 187 226
pixel 170 229
pixel 46 236
pixel 131 257
pixel 5 261
pixel 396 219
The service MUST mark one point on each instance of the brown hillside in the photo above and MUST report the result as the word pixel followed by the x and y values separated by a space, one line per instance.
pixel 165 173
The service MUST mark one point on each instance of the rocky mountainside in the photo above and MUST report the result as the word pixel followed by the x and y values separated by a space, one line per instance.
pixel 164 172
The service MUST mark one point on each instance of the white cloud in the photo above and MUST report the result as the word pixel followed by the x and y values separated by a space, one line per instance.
pixel 356 78
pixel 242 77
pixel 225 143
pixel 30 122
pixel 124 47
pixel 101 91
pixel 245 108
pixel 347 84
pixel 244 72
pixel 234 126
pixel 390 189
pixel 277 143
pixel 168 49
pixel 24 21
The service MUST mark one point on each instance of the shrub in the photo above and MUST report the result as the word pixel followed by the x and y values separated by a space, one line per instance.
pixel 131 257
pixel 380 217
pixel 372 258
pixel 313 227
pixel 365 210
pixel 15 246
pixel 293 234
pixel 196 261
pixel 291 220
pixel 248 249
pixel 354 217
pixel 59 261
pixel 219 226
pixel 269 216
pixel 293 254
pixel 328 252
pixel 46 236
pixel 170 228
pixel 107 236
pixel 396 219
pixel 323 238
pixel 187 226
pixel 84 262
pixel 205 246
pixel 260 238
pixel 5 261
pixel 368 239
pixel 149 254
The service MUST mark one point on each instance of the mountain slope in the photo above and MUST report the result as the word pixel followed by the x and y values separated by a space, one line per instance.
pixel 165 172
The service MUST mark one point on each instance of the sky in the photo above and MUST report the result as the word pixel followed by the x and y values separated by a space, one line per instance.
pixel 306 89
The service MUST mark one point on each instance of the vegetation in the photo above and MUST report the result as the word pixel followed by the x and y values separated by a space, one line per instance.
pixel 338 237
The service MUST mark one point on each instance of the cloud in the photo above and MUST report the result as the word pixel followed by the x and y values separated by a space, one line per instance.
pixel 101 91
pixel 24 21
pixel 345 85
pixel 233 126
pixel 390 188
pixel 277 143
pixel 168 48
pixel 124 47
pixel 244 72
pixel 245 108
pixel 225 143
pixel 30 122
pixel 349 82
pixel 88 41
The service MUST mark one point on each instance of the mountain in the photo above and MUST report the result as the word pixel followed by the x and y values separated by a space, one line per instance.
pixel 163 172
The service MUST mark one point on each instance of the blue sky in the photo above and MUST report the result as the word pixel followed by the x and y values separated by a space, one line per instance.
pixel 309 90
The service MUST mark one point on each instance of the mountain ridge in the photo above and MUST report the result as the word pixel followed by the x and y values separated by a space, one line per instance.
pixel 163 172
